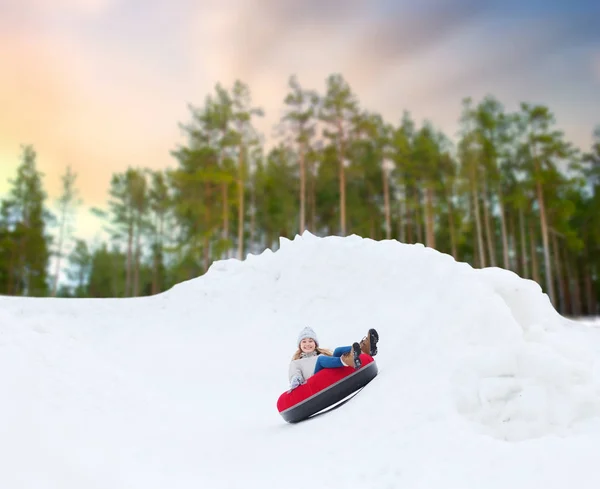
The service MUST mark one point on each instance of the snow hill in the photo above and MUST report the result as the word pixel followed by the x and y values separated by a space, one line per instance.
pixel 481 385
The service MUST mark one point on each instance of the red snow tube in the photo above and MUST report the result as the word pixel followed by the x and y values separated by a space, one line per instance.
pixel 327 387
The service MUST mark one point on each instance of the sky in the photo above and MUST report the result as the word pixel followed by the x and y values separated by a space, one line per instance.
pixel 103 84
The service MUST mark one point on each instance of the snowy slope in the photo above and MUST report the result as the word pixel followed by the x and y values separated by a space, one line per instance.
pixel 481 384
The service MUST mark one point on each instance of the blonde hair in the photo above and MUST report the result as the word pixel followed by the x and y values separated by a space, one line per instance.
pixel 320 351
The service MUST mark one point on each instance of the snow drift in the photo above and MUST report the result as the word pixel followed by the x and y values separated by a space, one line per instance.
pixel 481 383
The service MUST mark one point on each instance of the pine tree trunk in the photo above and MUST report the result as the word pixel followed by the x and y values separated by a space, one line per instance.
pixel 451 223
pixel 136 277
pixel 207 224
pixel 545 241
pixel 225 235
pixel 488 228
pixel 402 216
pixel 475 198
pixel 206 253
pixel 512 242
pixel 534 262
pixel 225 209
pixel 476 263
pixel 503 231
pixel 252 243
pixel 558 275
pixel 302 190
pixel 423 215
pixel 418 216
pixel 430 234
pixel 409 215
pixel 59 254
pixel 342 198
pixel 161 235
pixel 312 198
pixel 544 225
pixel 573 280
pixel 524 264
pixel 155 271
pixel 386 203
pixel 155 255
pixel 193 270
pixel 589 288
pixel 567 283
pixel 474 236
pixel 342 171
pixel 579 300
pixel 128 274
pixel 241 204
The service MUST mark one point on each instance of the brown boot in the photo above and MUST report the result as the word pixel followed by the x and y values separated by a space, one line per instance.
pixel 368 344
pixel 352 358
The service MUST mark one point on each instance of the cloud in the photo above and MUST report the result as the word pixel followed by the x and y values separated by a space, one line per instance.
pixel 265 27
pixel 395 55
pixel 511 50
pixel 407 33
pixel 254 36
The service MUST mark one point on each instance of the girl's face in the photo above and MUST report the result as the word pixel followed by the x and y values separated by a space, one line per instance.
pixel 307 345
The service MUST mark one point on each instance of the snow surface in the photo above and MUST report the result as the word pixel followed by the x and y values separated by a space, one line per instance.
pixel 481 385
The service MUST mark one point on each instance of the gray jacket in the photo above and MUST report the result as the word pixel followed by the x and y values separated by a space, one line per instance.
pixel 303 367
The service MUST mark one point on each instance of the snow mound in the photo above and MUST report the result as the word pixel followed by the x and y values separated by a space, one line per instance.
pixel 545 380
pixel 477 372
pixel 513 364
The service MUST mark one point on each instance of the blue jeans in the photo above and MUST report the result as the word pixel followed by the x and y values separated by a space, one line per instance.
pixel 323 361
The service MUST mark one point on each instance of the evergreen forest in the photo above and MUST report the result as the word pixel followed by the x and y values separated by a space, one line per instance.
pixel 508 191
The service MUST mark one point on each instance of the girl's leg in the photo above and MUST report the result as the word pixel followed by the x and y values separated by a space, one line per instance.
pixel 341 350
pixel 323 361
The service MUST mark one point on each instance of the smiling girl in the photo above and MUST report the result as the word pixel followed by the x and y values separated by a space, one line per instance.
pixel 310 358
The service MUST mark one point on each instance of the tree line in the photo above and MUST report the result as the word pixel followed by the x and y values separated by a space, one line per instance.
pixel 512 192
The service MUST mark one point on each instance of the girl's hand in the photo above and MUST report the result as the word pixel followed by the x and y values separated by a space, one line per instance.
pixel 296 381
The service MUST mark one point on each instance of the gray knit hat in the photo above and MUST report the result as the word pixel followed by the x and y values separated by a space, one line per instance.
pixel 307 333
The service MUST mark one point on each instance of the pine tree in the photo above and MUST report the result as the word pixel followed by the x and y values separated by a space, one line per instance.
pixel 301 113
pixel 67 204
pixel 24 218
pixel 339 110
pixel 80 261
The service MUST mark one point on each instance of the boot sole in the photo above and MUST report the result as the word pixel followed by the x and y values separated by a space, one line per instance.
pixel 357 351
pixel 373 339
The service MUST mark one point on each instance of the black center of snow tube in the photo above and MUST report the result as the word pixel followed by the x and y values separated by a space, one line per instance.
pixel 331 395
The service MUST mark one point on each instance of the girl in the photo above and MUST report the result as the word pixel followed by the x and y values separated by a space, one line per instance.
pixel 309 358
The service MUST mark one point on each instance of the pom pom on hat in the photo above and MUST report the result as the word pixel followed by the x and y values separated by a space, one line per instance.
pixel 308 332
